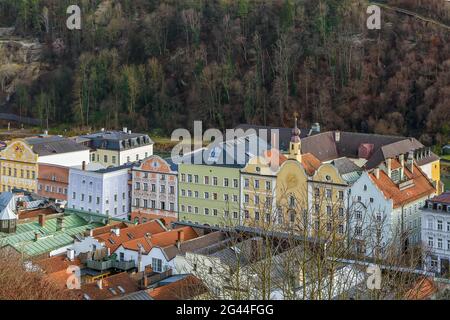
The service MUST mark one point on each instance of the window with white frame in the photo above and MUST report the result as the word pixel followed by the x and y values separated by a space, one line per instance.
pixel 156 265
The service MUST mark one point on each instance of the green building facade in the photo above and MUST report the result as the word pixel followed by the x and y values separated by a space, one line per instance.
pixel 209 194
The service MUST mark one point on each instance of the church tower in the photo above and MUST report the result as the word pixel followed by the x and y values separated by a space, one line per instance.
pixel 295 146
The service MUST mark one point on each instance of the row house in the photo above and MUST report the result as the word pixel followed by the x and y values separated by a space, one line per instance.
pixel 304 193
pixel 258 191
pixel 209 186
pixel 20 160
pixel 369 151
pixel 436 233
pixel 116 148
pixel 53 181
pixel 125 247
pixel 154 190
pixel 386 203
pixel 94 188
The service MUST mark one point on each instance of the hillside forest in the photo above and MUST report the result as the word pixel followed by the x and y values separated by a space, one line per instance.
pixel 157 65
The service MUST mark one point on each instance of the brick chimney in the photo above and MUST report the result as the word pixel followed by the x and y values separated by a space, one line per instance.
pixel 59 223
pixel 402 160
pixel 410 161
pixel 180 237
pixel 41 220
pixel 389 167
pixel 100 284
pixel 377 173
pixel 337 136
pixel 37 235
pixel 145 282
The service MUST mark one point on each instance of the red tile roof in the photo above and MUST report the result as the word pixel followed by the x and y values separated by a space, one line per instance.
pixel 443 198
pixel 184 289
pixel 162 239
pixel 113 241
pixel 310 163
pixel 107 229
pixel 422 187
pixel 55 269
pixel 422 290
pixel 57 263
pixel 276 154
pixel 395 164
pixel 111 287
pixel 28 214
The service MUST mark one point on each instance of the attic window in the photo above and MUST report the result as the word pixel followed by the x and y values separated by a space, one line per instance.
pixel 328 178
pixel 395 175
pixel 111 241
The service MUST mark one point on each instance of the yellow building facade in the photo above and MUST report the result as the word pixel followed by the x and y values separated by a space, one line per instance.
pixel 18 167
pixel 258 180
pixel 327 206
pixel 436 176
pixel 292 194
pixel 292 186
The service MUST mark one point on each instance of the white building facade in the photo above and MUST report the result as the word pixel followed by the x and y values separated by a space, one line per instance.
pixel 116 148
pixel 104 191
pixel 436 233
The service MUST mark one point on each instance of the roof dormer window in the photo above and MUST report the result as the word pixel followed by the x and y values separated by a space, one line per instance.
pixel 395 175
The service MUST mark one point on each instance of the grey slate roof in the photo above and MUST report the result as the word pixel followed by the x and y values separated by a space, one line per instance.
pixel 45 146
pixel 285 134
pixel 240 254
pixel 116 140
pixel 345 165
pixel 231 153
pixel 194 244
pixel 234 254
pixel 325 147
pixel 7 206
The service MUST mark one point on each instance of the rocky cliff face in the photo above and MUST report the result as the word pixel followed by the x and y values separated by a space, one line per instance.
pixel 19 62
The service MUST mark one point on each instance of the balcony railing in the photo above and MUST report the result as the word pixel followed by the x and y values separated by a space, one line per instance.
pixel 109 264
